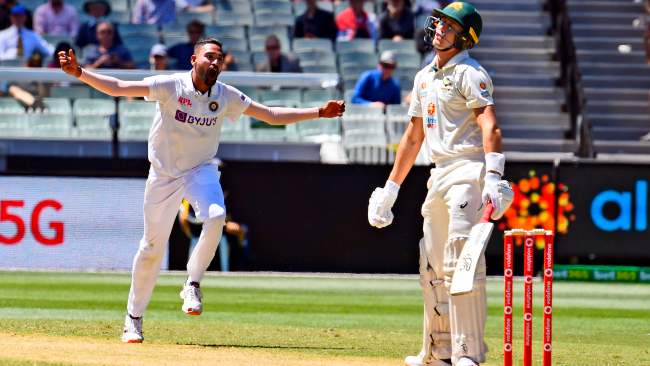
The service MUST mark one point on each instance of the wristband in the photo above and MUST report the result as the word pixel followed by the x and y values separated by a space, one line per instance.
pixel 80 71
pixel 495 163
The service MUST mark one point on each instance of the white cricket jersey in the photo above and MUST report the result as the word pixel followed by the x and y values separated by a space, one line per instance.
pixel 187 125
pixel 446 99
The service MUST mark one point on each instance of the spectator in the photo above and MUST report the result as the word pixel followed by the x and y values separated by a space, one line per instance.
pixel 277 61
pixel 87 34
pixel 182 52
pixel 355 22
pixel 160 12
pixel 158 57
pixel 56 18
pixel 315 23
pixel 107 54
pixel 229 62
pixel 397 21
pixel 195 6
pixel 28 93
pixel 425 7
pixel 5 10
pixel 378 88
pixel 17 42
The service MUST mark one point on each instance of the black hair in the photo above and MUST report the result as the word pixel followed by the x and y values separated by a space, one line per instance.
pixel 205 41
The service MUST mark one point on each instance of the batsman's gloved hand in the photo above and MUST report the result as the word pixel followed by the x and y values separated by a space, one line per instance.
pixel 380 204
pixel 499 193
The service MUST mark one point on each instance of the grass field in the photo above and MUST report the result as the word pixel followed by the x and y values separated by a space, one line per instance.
pixel 75 319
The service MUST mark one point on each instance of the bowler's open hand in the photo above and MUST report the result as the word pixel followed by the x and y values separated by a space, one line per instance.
pixel 68 62
pixel 333 108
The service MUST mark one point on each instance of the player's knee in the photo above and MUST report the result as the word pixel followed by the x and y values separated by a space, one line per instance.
pixel 149 250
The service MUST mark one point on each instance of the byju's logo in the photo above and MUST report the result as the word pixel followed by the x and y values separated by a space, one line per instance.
pixel 628 203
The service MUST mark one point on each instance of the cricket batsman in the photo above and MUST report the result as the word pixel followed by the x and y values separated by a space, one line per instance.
pixel 190 110
pixel 452 113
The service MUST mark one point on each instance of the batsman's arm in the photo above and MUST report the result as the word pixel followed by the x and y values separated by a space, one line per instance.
pixel 285 116
pixel 407 152
pixel 106 84
pixel 487 120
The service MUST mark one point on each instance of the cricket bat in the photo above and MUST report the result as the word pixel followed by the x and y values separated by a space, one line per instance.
pixel 463 279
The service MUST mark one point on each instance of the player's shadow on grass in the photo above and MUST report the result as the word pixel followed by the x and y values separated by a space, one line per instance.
pixel 266 346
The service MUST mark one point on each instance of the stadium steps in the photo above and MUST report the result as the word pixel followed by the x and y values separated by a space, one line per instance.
pixel 517 41
pixel 523 67
pixel 619 107
pixel 606 30
pixel 608 43
pixel 604 18
pixel 617 94
pixel 623 69
pixel 611 56
pixel 612 7
pixel 530 144
pixel 528 92
pixel 615 81
pixel 623 147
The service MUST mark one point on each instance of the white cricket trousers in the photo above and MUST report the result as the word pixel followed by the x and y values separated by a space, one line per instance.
pixel 162 199
pixel 452 206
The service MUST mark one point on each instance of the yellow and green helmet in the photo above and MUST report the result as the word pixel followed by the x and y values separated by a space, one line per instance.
pixel 468 17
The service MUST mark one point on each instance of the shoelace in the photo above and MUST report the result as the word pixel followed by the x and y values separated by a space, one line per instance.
pixel 135 326
pixel 194 293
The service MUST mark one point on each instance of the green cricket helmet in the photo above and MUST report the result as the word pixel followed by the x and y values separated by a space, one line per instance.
pixel 464 14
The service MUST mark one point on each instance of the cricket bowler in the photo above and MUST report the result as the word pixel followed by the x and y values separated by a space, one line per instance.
pixel 191 107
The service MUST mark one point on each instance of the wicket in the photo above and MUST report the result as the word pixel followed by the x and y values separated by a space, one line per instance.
pixel 529 237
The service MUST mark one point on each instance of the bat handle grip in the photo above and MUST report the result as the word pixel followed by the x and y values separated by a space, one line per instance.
pixel 487 212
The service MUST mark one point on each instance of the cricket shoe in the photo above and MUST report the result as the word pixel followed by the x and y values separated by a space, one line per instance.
pixel 191 295
pixel 132 330
pixel 419 361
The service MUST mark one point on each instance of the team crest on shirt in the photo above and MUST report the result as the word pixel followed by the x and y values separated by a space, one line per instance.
pixel 484 92
pixel 213 106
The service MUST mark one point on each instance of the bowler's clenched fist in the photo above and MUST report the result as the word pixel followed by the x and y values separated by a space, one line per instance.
pixel 333 108
pixel 68 62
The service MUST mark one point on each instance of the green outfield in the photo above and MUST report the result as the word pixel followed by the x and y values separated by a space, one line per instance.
pixel 75 319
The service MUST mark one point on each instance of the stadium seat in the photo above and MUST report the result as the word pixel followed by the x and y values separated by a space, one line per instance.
pixel 234 44
pixel 183 18
pixel 282 97
pixel 92 118
pixel 220 31
pixel 232 7
pixel 135 119
pixel 273 7
pixel 119 16
pixel 236 131
pixel 13 119
pixel 319 130
pixel 319 69
pixel 232 18
pixel 50 125
pixel 318 95
pixel 312 57
pixel 355 45
pixel 362 60
pixel 312 44
pixel 403 46
pixel 127 29
pixel 70 91
pixel 364 148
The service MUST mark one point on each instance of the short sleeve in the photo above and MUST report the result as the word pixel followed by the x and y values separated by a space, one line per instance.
pixel 237 103
pixel 476 87
pixel 415 109
pixel 161 88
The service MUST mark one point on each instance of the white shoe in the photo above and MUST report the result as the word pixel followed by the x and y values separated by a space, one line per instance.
pixel 418 361
pixel 191 296
pixel 132 330
pixel 465 361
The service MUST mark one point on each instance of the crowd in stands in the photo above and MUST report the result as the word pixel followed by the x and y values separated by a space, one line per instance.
pixel 96 30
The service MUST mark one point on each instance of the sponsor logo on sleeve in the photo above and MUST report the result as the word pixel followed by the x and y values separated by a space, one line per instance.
pixel 431 119
pixel 181 116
